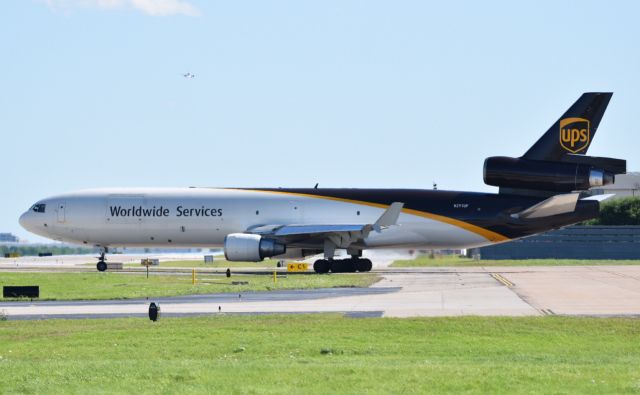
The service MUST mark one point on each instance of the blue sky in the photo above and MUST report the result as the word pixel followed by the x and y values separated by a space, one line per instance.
pixel 290 93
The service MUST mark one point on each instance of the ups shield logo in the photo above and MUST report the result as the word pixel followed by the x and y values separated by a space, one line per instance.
pixel 574 134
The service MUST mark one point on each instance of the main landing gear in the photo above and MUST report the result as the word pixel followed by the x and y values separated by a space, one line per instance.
pixel 350 265
pixel 102 265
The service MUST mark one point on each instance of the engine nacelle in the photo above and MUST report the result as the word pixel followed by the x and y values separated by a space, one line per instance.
pixel 521 173
pixel 251 248
pixel 298 253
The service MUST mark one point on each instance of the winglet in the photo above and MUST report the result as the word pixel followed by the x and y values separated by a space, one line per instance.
pixel 389 217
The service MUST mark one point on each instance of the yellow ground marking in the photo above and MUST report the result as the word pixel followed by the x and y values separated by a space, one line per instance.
pixel 502 280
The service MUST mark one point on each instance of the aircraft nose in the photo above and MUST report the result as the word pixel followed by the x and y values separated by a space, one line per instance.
pixel 26 221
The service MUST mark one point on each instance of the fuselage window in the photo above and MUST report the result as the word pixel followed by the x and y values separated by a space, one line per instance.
pixel 39 208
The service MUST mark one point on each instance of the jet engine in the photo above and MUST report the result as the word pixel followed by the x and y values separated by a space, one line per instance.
pixel 252 248
pixel 521 173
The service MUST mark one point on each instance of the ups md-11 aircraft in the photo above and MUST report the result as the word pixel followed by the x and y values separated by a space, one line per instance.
pixel 543 189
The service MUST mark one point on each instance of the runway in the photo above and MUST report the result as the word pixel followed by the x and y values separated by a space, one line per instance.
pixel 411 292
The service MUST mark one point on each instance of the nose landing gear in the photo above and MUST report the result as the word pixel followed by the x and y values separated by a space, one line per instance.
pixel 102 264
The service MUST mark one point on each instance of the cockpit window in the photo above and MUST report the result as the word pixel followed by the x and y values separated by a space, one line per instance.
pixel 39 208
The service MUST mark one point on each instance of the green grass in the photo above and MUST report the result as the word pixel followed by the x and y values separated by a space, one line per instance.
pixel 425 261
pixel 110 285
pixel 308 354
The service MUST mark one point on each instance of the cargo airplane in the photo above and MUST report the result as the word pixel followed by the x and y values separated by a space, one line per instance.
pixel 544 189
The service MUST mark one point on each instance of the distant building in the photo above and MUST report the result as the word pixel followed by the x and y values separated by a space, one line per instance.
pixel 8 238
pixel 625 185
pixel 573 242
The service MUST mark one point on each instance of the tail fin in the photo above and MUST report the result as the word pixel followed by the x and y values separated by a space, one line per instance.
pixel 574 131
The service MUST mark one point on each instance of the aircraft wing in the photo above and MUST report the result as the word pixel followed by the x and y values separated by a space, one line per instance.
pixel 341 234
pixel 296 230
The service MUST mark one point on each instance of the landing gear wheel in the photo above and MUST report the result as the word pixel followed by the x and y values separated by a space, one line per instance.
pixel 364 265
pixel 350 265
pixel 337 267
pixel 322 266
pixel 344 266
pixel 102 266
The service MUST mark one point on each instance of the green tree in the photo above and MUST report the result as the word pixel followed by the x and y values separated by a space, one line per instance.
pixel 36 249
pixel 624 211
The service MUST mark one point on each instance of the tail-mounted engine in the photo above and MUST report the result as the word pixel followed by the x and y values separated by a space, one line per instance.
pixel 573 173
pixel 251 248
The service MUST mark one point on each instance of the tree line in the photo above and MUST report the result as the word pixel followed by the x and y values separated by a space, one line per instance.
pixel 623 211
pixel 34 250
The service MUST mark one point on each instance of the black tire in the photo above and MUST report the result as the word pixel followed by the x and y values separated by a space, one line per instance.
pixel 321 266
pixel 344 266
pixel 364 265
pixel 101 266
pixel 337 267
pixel 350 265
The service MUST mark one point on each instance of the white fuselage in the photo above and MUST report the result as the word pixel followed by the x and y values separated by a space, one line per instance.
pixel 202 217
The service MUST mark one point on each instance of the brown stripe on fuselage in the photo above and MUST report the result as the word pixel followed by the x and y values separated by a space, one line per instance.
pixel 323 194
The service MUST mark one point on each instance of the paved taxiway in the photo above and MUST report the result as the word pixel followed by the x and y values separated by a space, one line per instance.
pixel 402 292
pixel 397 294
pixel 579 290
pixel 489 291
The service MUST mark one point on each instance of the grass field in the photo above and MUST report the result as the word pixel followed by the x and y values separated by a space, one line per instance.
pixel 109 285
pixel 321 354
pixel 425 261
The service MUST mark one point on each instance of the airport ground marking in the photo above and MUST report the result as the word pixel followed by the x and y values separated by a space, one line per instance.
pixel 502 280
pixel 546 311
pixel 297 267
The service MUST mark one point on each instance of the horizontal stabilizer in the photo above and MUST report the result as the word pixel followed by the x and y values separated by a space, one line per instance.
pixel 555 205
pixel 600 198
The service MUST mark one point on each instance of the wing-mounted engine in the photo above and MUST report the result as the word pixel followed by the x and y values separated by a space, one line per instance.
pixel 251 247
pixel 265 241
pixel 572 173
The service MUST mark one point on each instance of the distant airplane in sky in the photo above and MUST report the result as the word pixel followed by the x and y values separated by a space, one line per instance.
pixel 189 75
pixel 544 189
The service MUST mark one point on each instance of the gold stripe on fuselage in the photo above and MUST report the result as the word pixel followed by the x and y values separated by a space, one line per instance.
pixel 486 233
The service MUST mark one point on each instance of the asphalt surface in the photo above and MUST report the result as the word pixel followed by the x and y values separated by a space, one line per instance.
pixel 402 292
pixel 139 307
pixel 442 293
